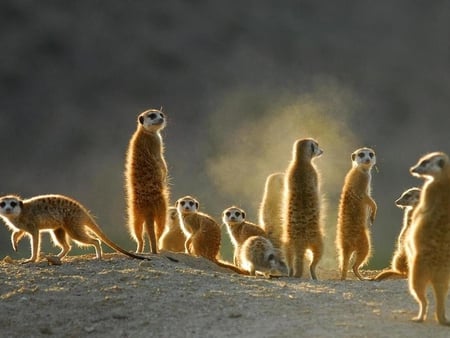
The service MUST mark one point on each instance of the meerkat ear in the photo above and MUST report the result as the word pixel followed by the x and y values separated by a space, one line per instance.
pixel 196 205
pixel 21 204
pixel 176 203
pixel 441 163
pixel 271 257
pixel 141 119
pixel 353 156
pixel 243 214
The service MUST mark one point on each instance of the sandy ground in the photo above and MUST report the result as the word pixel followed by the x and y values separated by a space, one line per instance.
pixel 121 297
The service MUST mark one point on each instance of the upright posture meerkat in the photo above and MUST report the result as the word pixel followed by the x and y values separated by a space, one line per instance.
pixel 146 180
pixel 202 232
pixel 270 210
pixel 302 216
pixel 429 238
pixel 258 255
pixel 399 265
pixel 239 229
pixel 173 237
pixel 356 210
pixel 62 216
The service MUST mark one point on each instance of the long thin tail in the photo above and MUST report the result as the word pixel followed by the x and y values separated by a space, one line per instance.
pixel 231 267
pixel 387 274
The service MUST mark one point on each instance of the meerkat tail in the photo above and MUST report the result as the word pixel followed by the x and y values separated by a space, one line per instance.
pixel 389 274
pixel 231 267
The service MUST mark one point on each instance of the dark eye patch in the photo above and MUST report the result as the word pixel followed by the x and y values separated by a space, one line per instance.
pixel 182 203
pixel 361 155
pixel 425 162
pixel 13 204
pixel 2 204
pixel 191 203
pixel 237 214
pixel 228 214
pixel 152 116
pixel 371 155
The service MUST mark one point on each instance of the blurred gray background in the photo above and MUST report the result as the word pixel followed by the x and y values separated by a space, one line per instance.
pixel 239 82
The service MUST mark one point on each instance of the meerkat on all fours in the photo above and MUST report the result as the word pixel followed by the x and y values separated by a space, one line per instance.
pixel 62 216
pixel 173 237
pixel 357 210
pixel 399 265
pixel 270 209
pixel 428 242
pixel 146 180
pixel 302 228
pixel 239 229
pixel 203 234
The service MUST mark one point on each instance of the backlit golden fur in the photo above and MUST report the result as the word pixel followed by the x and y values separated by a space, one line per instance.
pixel 302 229
pixel 173 238
pixel 146 180
pixel 428 243
pixel 270 210
pixel 357 210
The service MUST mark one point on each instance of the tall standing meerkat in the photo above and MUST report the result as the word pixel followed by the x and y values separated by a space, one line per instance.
pixel 399 265
pixel 202 232
pixel 62 216
pixel 302 228
pixel 270 210
pixel 357 210
pixel 429 237
pixel 173 237
pixel 239 229
pixel 146 180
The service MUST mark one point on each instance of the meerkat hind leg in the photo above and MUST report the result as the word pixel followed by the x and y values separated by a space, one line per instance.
pixel 81 236
pixel 150 229
pixel 317 254
pixel 440 292
pixel 360 257
pixel 59 237
pixel 137 231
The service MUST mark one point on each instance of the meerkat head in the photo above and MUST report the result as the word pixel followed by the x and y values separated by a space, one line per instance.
pixel 233 215
pixel 10 206
pixel 410 198
pixel 430 165
pixel 186 205
pixel 152 120
pixel 364 157
pixel 307 147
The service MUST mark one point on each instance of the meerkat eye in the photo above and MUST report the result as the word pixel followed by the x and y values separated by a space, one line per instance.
pixel 371 155
pixel 425 163
pixel 312 147
pixel 2 204
pixel 228 214
pixel 161 115
pixel 152 116
pixel 13 204
pixel 191 203
pixel 361 155
pixel 182 203
pixel 237 214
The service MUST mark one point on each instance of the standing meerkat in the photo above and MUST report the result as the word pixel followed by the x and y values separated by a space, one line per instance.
pixel 399 265
pixel 203 234
pixel 173 237
pixel 428 242
pixel 146 180
pixel 270 210
pixel 302 228
pixel 356 210
pixel 258 255
pixel 62 216
pixel 239 229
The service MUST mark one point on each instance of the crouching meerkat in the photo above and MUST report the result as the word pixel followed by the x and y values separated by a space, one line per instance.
pixel 428 242
pixel 239 229
pixel 357 210
pixel 270 216
pixel 173 237
pixel 258 255
pixel 146 180
pixel 399 265
pixel 62 216
pixel 203 234
pixel 302 228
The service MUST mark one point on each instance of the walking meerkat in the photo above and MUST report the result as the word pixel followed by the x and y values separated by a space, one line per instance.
pixel 203 234
pixel 302 228
pixel 429 237
pixel 399 265
pixel 357 210
pixel 258 255
pixel 146 180
pixel 239 229
pixel 173 237
pixel 270 210
pixel 62 216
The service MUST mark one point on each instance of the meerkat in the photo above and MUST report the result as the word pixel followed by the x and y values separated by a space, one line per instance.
pixel 357 210
pixel 146 180
pixel 62 216
pixel 203 234
pixel 239 229
pixel 173 237
pixel 302 229
pixel 399 265
pixel 428 242
pixel 270 216
pixel 258 255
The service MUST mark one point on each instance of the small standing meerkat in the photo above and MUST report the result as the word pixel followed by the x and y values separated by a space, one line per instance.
pixel 203 234
pixel 302 229
pixel 399 265
pixel 428 242
pixel 173 237
pixel 239 229
pixel 258 255
pixel 62 216
pixel 357 210
pixel 270 210
pixel 146 180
